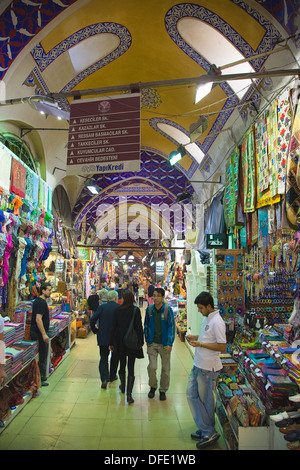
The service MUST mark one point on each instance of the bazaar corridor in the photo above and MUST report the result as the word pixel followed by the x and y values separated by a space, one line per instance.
pixel 74 413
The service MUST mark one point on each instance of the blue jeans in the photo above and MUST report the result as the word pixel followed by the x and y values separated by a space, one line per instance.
pixel 201 400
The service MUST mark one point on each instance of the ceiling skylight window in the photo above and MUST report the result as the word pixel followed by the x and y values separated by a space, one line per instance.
pixel 216 49
pixel 182 139
pixel 90 50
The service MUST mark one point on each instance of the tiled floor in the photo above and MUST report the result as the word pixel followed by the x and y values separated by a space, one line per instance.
pixel 73 412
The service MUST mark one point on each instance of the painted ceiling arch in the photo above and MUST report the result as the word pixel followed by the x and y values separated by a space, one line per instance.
pixel 42 44
pixel 155 183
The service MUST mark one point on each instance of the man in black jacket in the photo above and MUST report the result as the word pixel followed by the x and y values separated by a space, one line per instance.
pixel 93 300
pixel 103 317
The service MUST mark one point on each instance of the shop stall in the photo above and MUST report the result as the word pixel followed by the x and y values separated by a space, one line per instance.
pixel 255 280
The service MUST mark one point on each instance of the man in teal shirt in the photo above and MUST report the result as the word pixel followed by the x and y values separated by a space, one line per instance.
pixel 159 330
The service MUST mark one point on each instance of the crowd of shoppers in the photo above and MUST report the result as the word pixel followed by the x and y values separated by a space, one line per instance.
pixel 159 332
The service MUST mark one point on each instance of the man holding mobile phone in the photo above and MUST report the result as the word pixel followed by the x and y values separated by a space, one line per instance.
pixel 207 365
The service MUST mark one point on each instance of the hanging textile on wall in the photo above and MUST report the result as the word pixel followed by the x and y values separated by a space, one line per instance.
pixel 284 133
pixel 272 133
pixel 292 196
pixel 18 178
pixel 5 159
pixel 268 161
pixel 262 160
pixel 231 188
pixel 248 166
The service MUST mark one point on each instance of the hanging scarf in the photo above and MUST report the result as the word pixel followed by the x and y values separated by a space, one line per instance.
pixel 284 133
pixel 231 189
pixel 248 165
pixel 292 196
pixel 18 178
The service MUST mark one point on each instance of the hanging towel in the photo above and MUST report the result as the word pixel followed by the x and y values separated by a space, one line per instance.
pixel 29 186
pixel 5 158
pixel 36 189
pixel 41 194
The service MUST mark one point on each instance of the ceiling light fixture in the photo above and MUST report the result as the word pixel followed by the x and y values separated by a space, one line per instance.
pixel 183 197
pixel 92 187
pixel 198 128
pixel 48 106
pixel 177 155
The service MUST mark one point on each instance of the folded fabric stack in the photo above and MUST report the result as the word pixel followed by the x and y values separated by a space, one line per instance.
pixel 21 310
pixel 65 319
pixel 30 350
pixel 19 330
pixel 59 323
pixel 282 385
pixel 53 328
pixel 293 365
pixel 54 310
pixel 286 330
pixel 8 368
pixel 9 335
pixel 268 379
pixel 16 356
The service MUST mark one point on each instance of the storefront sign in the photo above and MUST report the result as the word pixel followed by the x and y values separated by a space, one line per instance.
pixel 160 268
pixel 104 135
pixel 216 240
pixel 84 253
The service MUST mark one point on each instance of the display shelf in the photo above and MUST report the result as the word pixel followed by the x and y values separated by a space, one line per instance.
pixel 27 397
pixel 181 331
pixel 247 438
pixel 67 350
pixel 277 438
pixel 23 367
pixel 16 411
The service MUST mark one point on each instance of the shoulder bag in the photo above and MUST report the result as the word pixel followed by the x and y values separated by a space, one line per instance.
pixel 131 339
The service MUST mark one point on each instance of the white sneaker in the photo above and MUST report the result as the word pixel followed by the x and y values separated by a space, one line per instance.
pixel 279 416
pixel 295 398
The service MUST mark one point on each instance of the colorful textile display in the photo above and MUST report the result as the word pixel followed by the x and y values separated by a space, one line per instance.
pixel 272 132
pixel 248 166
pixel 268 160
pixel 18 178
pixel 284 128
pixel 262 159
pixel 231 189
pixel 292 188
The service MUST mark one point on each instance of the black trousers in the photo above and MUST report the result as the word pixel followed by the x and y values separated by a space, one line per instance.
pixel 130 360
pixel 43 353
pixel 107 371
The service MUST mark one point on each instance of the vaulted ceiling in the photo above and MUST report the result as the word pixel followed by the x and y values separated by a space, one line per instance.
pixel 66 46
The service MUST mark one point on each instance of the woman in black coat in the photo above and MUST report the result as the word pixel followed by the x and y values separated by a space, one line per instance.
pixel 122 318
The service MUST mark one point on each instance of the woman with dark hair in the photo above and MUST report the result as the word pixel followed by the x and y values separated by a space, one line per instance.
pixel 123 316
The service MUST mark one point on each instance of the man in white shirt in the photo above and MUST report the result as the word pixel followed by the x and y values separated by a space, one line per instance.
pixel 207 365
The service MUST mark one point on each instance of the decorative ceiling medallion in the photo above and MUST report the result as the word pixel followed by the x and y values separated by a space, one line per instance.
pixel 150 98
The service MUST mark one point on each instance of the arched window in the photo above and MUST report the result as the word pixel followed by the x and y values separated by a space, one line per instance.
pixel 20 149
